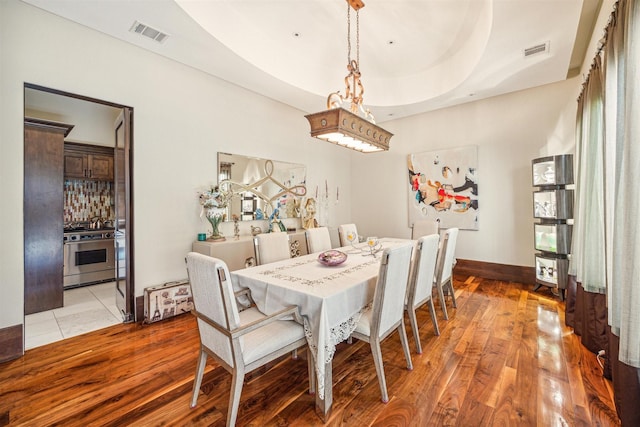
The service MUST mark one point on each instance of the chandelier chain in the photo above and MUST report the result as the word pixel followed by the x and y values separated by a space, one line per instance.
pixel 349 35
pixel 358 37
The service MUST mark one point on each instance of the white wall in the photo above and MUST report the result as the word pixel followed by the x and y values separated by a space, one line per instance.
pixel 509 130
pixel 182 118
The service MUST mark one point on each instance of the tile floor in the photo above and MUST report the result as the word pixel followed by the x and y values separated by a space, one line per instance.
pixel 85 309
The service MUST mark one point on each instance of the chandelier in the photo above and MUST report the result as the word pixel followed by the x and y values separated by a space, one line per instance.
pixel 354 128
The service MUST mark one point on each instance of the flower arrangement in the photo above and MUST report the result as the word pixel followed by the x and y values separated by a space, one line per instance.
pixel 214 202
pixel 214 197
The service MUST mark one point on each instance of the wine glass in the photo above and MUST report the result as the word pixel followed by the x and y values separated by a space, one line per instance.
pixel 373 245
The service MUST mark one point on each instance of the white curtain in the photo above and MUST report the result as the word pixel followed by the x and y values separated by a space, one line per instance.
pixel 576 239
pixel 606 235
pixel 588 252
pixel 613 74
pixel 624 289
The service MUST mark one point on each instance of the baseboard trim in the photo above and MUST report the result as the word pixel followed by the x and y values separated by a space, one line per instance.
pixel 139 309
pixel 490 270
pixel 11 340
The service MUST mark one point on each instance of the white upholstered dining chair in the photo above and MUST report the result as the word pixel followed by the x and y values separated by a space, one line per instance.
pixel 444 268
pixel 387 312
pixel 421 283
pixel 239 341
pixel 424 227
pixel 271 247
pixel 344 230
pixel 318 239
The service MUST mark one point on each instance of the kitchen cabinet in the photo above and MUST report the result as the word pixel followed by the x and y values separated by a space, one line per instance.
pixel 88 161
pixel 43 214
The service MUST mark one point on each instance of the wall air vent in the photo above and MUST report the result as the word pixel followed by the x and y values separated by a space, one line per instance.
pixel 537 49
pixel 147 31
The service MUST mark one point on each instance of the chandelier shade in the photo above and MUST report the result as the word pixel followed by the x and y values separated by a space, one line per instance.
pixel 355 129
pixel 349 130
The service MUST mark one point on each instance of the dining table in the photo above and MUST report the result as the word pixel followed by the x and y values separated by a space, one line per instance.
pixel 330 299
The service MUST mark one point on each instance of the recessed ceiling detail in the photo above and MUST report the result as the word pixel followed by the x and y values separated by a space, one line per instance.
pixel 416 56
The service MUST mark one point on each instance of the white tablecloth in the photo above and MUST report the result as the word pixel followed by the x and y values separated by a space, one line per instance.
pixel 330 299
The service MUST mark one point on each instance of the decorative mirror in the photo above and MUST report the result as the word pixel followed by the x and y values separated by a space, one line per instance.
pixel 261 185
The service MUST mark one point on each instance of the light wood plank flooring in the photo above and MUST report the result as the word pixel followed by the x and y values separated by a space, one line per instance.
pixel 504 358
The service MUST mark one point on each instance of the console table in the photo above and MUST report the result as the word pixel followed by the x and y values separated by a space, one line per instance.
pixel 239 254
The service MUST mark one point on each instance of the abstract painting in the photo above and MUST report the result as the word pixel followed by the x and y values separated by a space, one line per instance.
pixel 443 186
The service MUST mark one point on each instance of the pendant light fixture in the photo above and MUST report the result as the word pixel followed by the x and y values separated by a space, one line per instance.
pixel 354 128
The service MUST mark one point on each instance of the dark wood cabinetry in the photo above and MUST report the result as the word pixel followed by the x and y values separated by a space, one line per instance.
pixel 43 214
pixel 88 162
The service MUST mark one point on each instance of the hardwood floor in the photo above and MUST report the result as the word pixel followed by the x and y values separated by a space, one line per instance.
pixel 504 358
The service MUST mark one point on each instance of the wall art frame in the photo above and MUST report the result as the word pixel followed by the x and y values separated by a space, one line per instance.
pixel 443 186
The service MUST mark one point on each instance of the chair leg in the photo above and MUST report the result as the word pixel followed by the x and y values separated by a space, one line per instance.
pixel 234 401
pixel 197 381
pixel 294 354
pixel 414 326
pixel 432 312
pixel 377 361
pixel 453 294
pixel 405 344
pixel 443 303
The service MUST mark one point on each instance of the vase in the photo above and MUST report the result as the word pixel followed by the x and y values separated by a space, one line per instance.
pixel 215 219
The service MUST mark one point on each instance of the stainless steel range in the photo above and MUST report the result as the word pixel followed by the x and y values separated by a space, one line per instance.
pixel 89 256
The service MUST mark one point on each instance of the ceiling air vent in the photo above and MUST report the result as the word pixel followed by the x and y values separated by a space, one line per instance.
pixel 147 31
pixel 537 49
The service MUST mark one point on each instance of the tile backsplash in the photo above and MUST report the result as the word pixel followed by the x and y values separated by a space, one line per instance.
pixel 86 199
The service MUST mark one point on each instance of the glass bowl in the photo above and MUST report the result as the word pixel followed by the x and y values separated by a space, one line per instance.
pixel 331 258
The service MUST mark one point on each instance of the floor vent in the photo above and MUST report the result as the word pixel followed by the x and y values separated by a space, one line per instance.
pixel 147 31
pixel 537 49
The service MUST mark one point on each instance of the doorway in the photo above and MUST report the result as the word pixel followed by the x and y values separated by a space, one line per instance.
pixel 99 123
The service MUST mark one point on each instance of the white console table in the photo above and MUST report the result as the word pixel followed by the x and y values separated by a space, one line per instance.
pixel 240 253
